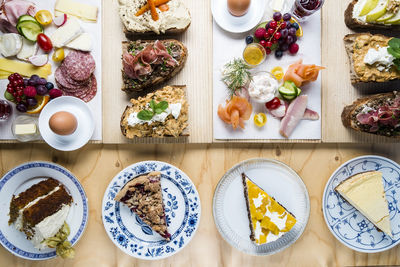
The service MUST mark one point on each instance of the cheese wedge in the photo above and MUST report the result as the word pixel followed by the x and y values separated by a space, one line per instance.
pixel 4 74
pixel 77 9
pixel 66 33
pixel 269 220
pixel 25 69
pixel 365 192
pixel 83 43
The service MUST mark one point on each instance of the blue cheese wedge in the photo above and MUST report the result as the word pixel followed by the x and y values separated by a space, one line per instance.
pixel 66 33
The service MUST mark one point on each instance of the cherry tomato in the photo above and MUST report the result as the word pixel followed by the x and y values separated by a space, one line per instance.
pixel 260 119
pixel 44 42
pixel 58 55
pixel 273 104
pixel 44 17
pixel 278 72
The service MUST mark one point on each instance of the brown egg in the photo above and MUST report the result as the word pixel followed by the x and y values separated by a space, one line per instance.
pixel 63 123
pixel 238 7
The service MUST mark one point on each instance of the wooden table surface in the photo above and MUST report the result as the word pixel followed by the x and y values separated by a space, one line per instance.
pixel 95 165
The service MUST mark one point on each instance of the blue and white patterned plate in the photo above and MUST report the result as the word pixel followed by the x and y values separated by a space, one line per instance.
pixel 21 178
pixel 182 208
pixel 346 223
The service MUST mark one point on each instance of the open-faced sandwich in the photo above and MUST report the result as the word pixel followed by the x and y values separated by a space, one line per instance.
pixel 149 63
pixel 376 114
pixel 159 114
pixel 373 57
pixel 373 14
pixel 148 17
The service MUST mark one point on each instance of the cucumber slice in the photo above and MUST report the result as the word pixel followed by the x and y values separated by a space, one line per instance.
pixel 25 18
pixel 30 29
pixel 289 90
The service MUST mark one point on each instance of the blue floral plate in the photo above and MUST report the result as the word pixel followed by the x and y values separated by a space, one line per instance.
pixel 346 223
pixel 21 178
pixel 182 209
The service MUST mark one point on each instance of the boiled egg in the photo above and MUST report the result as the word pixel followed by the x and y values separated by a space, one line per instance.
pixel 238 7
pixel 63 123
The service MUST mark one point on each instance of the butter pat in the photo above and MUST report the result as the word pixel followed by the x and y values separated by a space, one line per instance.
pixel 77 9
pixel 277 5
pixel 25 129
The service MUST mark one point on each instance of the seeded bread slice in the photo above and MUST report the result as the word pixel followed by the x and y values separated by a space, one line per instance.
pixel 349 112
pixel 349 40
pixel 356 24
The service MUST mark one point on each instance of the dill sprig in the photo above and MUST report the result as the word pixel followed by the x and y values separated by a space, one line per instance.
pixel 236 74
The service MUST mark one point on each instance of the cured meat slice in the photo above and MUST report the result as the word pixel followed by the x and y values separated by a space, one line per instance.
pixel 79 65
pixel 86 93
pixel 70 80
pixel 64 82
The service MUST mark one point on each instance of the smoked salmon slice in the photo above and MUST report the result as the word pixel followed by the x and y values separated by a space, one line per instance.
pixel 236 112
pixel 300 73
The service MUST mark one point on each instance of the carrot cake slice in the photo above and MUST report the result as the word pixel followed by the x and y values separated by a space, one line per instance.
pixel 268 219
pixel 143 196
pixel 40 212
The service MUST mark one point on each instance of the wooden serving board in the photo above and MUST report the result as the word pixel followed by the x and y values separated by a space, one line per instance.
pixel 196 75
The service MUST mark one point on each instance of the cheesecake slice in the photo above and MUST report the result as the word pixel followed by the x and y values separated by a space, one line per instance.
pixel 143 196
pixel 365 192
pixel 268 219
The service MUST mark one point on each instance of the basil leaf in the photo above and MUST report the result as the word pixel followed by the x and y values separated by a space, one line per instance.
pixel 163 105
pixel 394 43
pixel 145 115
pixel 152 104
pixel 158 111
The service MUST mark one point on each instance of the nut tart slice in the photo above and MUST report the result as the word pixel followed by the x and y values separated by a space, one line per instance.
pixel 269 220
pixel 143 196
pixel 365 192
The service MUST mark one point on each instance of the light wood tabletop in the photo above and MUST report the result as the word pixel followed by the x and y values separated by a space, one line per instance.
pixel 95 165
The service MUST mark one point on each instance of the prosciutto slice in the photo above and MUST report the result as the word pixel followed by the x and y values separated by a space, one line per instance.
pixel 142 64
pixel 293 115
pixel 16 8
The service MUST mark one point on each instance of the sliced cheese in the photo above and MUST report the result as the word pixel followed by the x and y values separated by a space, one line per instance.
pixel 83 42
pixel 66 33
pixel 25 129
pixel 77 9
pixel 25 69
pixel 28 49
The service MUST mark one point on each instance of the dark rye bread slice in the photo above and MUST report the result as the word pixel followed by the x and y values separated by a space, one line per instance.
pixel 128 132
pixel 349 40
pixel 355 24
pixel 45 208
pixel 135 87
pixel 349 113
pixel 24 198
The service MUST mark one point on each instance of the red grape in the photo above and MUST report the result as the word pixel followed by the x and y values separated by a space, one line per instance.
pixel 263 43
pixel 268 44
pixel 268 50
pixel 273 24
pixel 283 25
pixel 277 16
pixel 277 35
pixel 293 48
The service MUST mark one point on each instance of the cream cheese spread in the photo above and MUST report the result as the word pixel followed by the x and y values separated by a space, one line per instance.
pixel 173 109
pixel 262 88
pixel 177 16
pixel 381 57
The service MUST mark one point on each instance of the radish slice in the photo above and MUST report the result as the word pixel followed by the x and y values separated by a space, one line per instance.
pixel 39 60
pixel 60 20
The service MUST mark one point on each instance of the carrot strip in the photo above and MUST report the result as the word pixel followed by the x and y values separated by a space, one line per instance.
pixel 146 7
pixel 154 14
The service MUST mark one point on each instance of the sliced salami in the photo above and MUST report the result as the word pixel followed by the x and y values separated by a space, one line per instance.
pixel 62 80
pixel 92 91
pixel 70 80
pixel 79 65
pixel 86 93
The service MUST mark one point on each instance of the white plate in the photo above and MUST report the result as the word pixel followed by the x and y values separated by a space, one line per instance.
pixel 275 178
pixel 234 24
pixel 83 132
pixel 21 178
pixel 182 209
pixel 346 223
